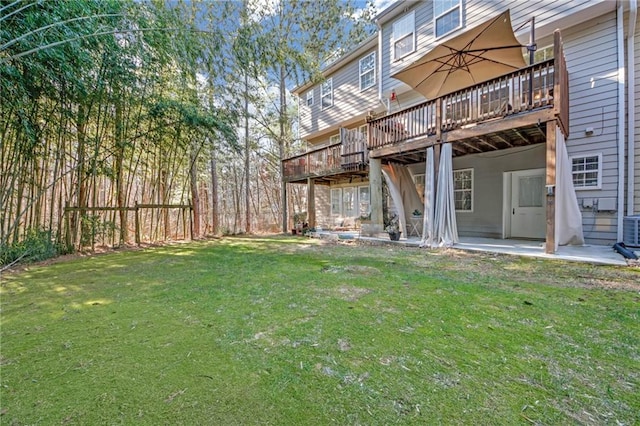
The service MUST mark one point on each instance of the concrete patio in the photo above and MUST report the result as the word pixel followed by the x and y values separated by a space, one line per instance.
pixel 593 254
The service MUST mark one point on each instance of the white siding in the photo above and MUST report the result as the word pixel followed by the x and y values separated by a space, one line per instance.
pixel 486 218
pixel 637 121
pixel 424 33
pixel 349 102
pixel 323 206
pixel 590 50
pixel 549 15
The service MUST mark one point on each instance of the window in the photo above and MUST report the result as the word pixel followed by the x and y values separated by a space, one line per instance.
pixel 541 54
pixel 586 171
pixel 447 15
pixel 334 139
pixel 310 98
pixel 531 191
pixel 463 190
pixel 494 99
pixel 368 71
pixel 364 200
pixel 326 93
pixel 336 201
pixel 364 132
pixel 404 36
pixel 457 108
pixel 349 202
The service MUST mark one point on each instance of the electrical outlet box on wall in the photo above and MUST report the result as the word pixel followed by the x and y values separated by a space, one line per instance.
pixel 607 204
pixel 587 203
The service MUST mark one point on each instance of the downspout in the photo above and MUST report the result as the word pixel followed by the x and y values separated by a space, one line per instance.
pixel 379 61
pixel 621 119
pixel 631 107
pixel 298 99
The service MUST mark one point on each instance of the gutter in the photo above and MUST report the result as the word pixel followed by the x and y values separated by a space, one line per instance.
pixel 379 61
pixel 621 118
pixel 631 107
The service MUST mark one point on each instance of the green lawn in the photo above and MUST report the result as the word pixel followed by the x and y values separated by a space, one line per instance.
pixel 293 331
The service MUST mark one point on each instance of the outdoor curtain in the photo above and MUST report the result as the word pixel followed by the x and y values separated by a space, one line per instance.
pixel 429 201
pixel 568 217
pixel 445 227
pixel 403 192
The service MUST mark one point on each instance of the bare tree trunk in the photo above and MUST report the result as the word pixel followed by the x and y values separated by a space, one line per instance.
pixel 195 196
pixel 120 193
pixel 215 225
pixel 281 146
pixel 247 147
pixel 81 185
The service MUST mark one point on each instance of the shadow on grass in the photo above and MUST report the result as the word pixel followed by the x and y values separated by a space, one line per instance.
pixel 294 331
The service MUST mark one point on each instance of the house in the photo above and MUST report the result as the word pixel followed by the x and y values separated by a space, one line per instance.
pixel 545 150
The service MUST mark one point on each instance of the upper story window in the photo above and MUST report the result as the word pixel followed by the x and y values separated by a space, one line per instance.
pixel 364 132
pixel 541 54
pixel 326 93
pixel 404 35
pixel 447 16
pixel 368 71
pixel 310 98
pixel 587 171
pixel 334 139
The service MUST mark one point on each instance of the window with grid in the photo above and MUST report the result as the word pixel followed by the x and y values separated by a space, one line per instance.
pixel 404 36
pixel 336 201
pixel 310 97
pixel 349 201
pixel 326 93
pixel 463 190
pixel 494 99
pixel 541 54
pixel 364 200
pixel 364 132
pixel 586 171
pixel 447 16
pixel 457 108
pixel 368 71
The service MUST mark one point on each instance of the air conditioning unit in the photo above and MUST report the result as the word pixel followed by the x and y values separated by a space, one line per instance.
pixel 631 231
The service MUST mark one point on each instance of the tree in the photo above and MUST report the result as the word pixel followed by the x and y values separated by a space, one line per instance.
pixel 297 38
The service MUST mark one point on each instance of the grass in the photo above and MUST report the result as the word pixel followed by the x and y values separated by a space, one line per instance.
pixel 293 331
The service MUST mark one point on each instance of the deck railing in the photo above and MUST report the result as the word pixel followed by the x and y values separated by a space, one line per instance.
pixel 347 155
pixel 355 154
pixel 523 90
pixel 542 85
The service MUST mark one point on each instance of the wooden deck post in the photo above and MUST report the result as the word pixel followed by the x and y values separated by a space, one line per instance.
pixel 137 221
pixel 311 203
pixel 550 242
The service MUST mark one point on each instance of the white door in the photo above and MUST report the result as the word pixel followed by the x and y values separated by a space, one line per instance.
pixel 528 211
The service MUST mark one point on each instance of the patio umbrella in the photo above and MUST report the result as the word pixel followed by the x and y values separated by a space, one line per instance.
pixel 479 54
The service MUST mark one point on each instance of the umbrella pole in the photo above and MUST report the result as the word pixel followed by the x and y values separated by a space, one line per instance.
pixel 532 51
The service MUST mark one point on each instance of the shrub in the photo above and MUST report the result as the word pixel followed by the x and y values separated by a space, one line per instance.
pixel 37 245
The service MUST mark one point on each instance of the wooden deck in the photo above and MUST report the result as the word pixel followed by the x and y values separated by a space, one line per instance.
pixel 506 112
pixel 510 111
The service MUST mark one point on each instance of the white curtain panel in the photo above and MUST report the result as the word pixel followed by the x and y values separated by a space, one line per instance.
pixel 568 216
pixel 429 201
pixel 446 229
pixel 403 192
pixel 393 183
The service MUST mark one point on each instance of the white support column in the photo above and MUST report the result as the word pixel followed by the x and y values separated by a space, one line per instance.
pixel 375 183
